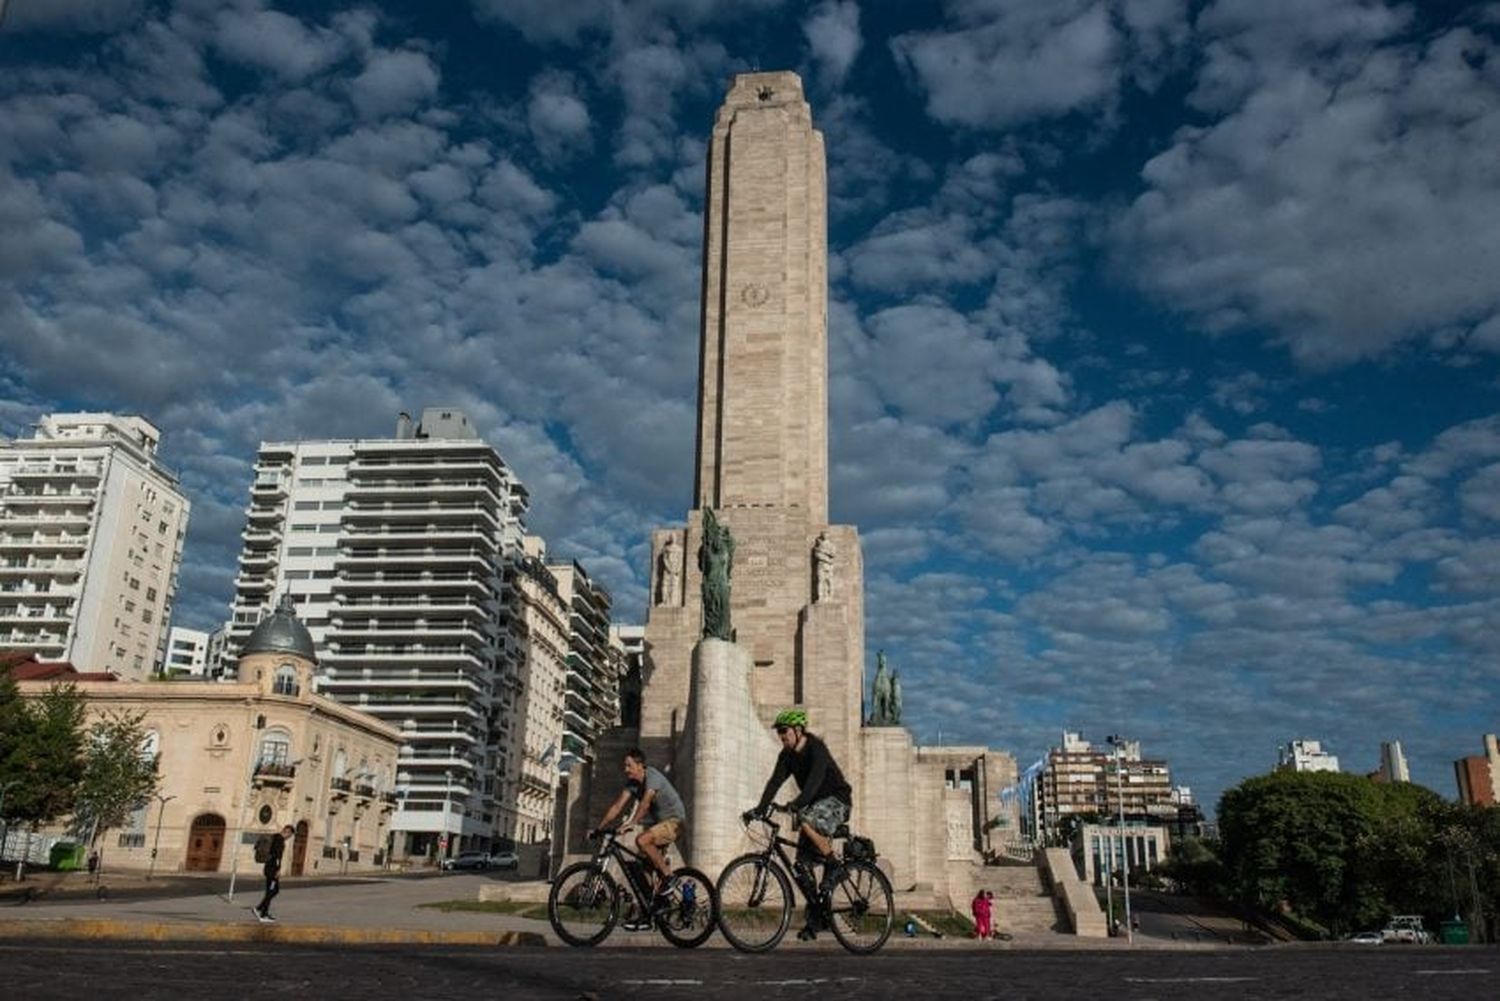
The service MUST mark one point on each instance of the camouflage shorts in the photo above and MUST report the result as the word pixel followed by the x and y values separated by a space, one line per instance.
pixel 825 815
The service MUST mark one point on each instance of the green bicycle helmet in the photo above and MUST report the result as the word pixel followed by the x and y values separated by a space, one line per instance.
pixel 791 717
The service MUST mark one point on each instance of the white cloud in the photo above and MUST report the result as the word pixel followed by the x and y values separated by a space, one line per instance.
pixel 1004 63
pixel 832 31
pixel 276 42
pixel 1337 203
pixel 559 121
pixel 87 16
pixel 393 83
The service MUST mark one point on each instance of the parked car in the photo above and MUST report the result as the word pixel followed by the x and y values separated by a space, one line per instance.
pixel 1407 928
pixel 505 860
pixel 467 860
pixel 1368 938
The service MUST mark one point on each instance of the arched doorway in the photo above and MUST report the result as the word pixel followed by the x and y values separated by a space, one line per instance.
pixel 205 843
pixel 299 848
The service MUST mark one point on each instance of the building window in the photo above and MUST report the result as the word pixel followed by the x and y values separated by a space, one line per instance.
pixel 285 682
pixel 275 749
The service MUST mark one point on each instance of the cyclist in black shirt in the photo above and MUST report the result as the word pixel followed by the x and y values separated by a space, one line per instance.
pixel 823 796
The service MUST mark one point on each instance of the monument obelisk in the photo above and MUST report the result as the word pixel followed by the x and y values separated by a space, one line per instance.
pixel 797 585
pixel 762 464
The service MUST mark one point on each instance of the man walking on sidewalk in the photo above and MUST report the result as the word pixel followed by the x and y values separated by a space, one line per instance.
pixel 272 872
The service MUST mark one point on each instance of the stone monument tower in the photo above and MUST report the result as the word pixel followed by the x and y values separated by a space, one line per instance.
pixel 797 599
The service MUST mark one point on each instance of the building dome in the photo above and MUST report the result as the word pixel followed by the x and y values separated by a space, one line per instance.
pixel 280 632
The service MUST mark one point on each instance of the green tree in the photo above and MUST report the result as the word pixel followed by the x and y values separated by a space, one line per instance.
pixel 118 778
pixel 1343 851
pixel 1194 864
pixel 41 754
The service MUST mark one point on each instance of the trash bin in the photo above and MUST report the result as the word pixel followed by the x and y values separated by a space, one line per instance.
pixel 1455 932
pixel 65 856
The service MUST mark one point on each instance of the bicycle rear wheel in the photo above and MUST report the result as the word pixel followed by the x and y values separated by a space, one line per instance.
pixel 861 908
pixel 583 905
pixel 685 912
pixel 755 903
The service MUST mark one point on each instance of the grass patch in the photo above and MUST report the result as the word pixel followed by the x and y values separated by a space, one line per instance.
pixel 518 908
pixel 950 923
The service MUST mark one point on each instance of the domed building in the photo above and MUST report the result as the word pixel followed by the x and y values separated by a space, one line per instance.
pixel 242 759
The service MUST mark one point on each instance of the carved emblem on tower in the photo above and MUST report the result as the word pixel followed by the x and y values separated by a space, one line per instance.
pixel 755 294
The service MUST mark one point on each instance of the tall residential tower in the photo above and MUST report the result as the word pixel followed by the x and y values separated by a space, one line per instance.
pixel 91 530
pixel 395 551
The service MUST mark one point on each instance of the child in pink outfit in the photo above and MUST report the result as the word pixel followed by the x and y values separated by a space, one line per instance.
pixel 981 909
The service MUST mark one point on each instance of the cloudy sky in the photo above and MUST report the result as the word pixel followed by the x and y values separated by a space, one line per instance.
pixel 1164 335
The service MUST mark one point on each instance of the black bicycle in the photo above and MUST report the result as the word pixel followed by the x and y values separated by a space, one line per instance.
pixel 755 893
pixel 584 903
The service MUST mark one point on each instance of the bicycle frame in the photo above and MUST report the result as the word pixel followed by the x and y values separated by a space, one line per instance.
pixel 611 849
pixel 776 851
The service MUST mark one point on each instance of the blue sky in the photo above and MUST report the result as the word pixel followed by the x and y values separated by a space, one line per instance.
pixel 1163 340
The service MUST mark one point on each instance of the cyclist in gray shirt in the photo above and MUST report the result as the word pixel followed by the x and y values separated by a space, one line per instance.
pixel 658 808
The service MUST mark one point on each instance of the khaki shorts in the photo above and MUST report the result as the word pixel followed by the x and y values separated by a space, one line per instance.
pixel 666 832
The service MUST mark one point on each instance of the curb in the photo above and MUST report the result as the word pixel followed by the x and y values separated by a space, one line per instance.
pixel 108 929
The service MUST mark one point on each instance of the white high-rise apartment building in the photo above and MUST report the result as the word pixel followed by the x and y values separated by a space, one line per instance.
pixel 91 530
pixel 395 553
pixel 187 652
pixel 1393 766
pixel 592 701
pixel 1306 756
pixel 539 621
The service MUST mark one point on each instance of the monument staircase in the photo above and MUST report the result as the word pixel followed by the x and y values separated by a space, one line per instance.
pixel 1023 904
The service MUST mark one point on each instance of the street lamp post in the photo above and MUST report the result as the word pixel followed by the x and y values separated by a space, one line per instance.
pixel 1118 744
pixel 21 863
pixel 156 842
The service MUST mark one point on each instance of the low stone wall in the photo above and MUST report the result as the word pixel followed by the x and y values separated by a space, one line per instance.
pixel 531 892
pixel 1077 897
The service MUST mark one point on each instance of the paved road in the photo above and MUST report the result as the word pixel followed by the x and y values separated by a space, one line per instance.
pixel 97 970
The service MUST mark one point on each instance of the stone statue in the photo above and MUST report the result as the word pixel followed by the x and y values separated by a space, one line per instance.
pixel 880 715
pixel 668 576
pixel 824 553
pixel 716 560
pixel 895 705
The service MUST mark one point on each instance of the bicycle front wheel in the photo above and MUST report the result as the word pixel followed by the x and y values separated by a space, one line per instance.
pixel 583 905
pixel 755 903
pixel 861 908
pixel 685 912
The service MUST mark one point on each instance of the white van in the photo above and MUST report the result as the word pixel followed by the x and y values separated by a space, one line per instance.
pixel 1406 928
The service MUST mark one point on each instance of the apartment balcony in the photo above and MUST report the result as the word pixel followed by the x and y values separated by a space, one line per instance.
pixel 364 491
pixel 41 642
pixel 343 654
pixel 55 542
pixel 254 582
pixel 421 512
pixel 339 787
pixel 39 568
pixel 433 733
pixel 415 705
pixel 255 561
pixel 258 515
pixel 36 617
pixel 429 464
pixel 54 471
pixel 445 632
pixel 268 486
pixel 275 773
pixel 368 559
pixel 410 605
pixel 343 688
pixel 42 518
pixel 426 536
pixel 48 496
